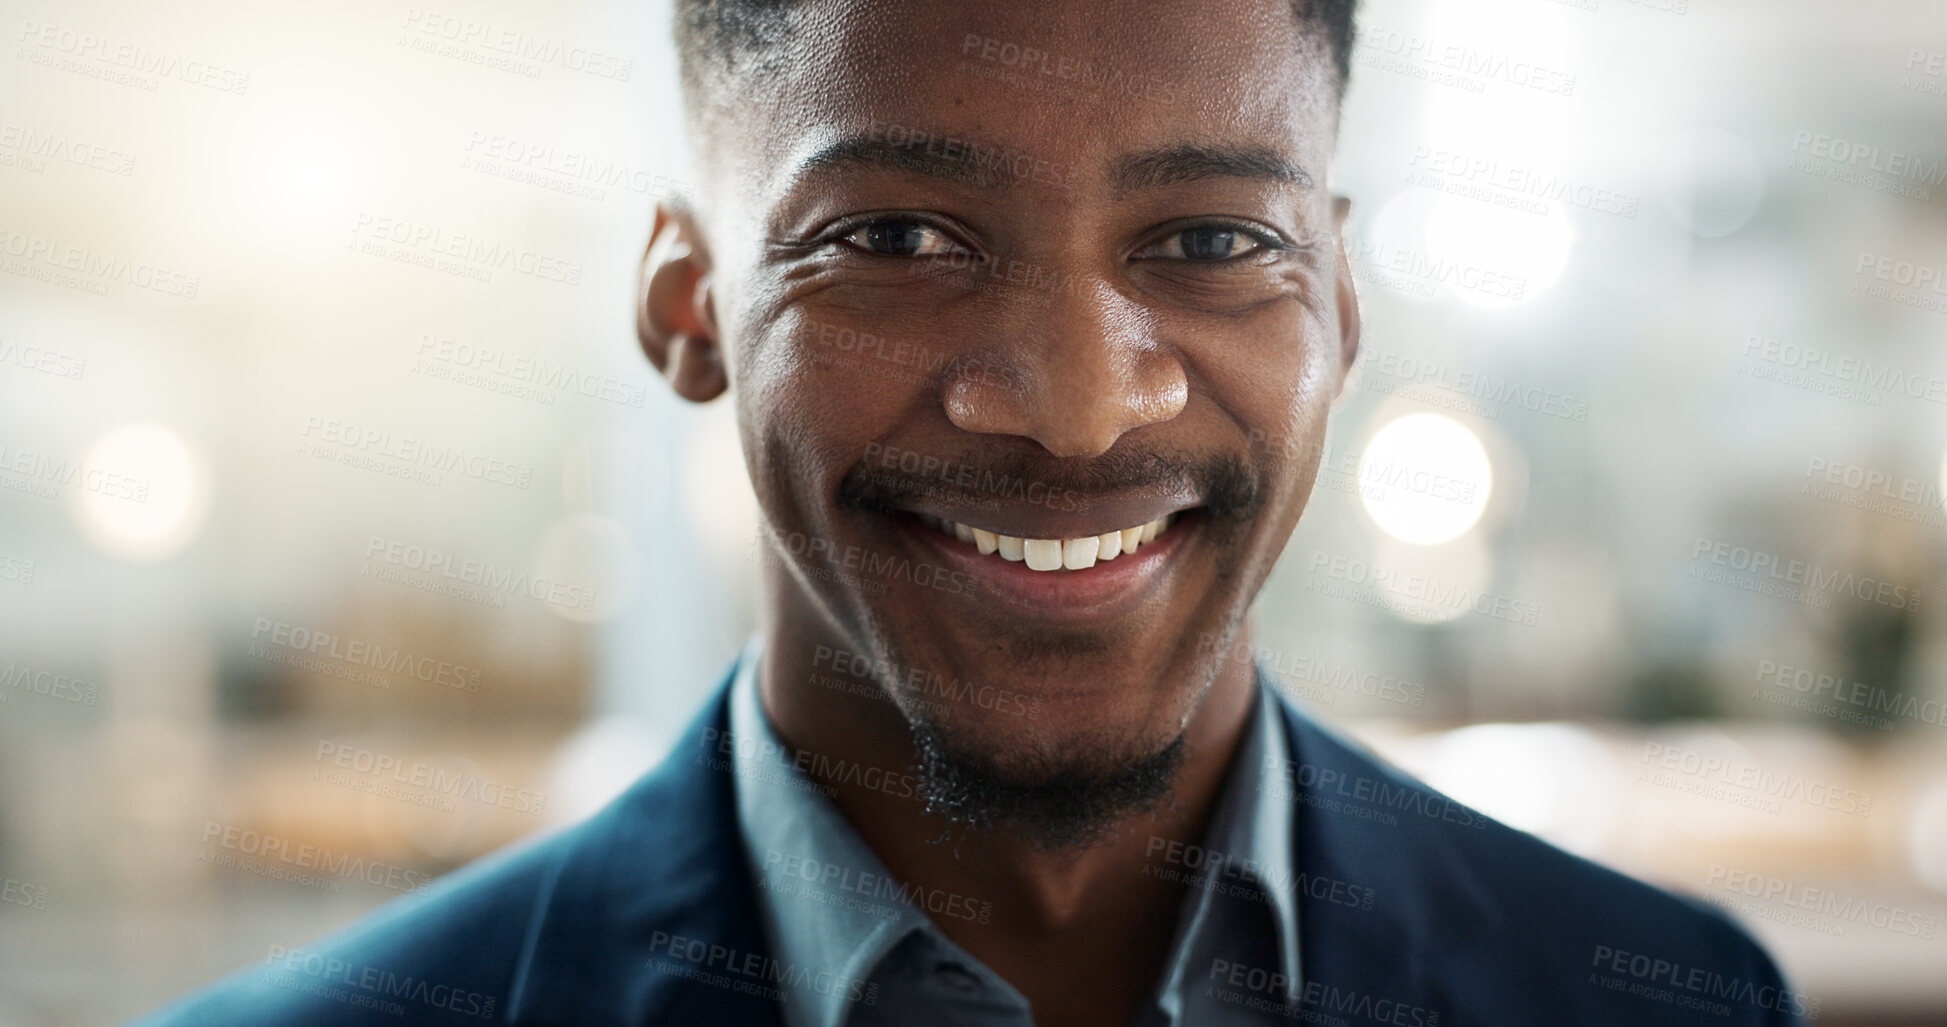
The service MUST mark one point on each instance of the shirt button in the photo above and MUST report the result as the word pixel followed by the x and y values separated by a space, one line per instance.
pixel 957 977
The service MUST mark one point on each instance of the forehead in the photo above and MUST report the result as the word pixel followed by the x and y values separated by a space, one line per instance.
pixel 1074 85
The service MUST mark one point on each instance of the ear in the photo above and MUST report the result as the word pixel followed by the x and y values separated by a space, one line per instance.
pixel 1348 301
pixel 675 318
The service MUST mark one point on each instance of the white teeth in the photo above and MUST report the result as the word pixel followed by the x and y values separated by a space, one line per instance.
pixel 1044 554
pixel 1050 554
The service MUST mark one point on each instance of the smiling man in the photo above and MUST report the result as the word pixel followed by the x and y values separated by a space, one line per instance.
pixel 1032 315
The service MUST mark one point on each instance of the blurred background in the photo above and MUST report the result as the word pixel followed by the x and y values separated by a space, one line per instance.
pixel 346 536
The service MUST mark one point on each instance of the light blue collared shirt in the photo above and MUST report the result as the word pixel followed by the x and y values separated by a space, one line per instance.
pixel 857 948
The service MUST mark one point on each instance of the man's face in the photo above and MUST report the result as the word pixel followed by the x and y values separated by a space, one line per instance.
pixel 1049 271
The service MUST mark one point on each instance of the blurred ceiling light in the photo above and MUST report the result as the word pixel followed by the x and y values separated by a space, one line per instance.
pixel 139 493
pixel 1425 479
pixel 1499 257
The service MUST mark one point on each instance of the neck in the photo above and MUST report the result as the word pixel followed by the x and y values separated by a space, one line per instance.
pixel 1033 892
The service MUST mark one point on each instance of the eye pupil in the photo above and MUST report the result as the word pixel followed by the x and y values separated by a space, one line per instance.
pixel 899 238
pixel 1208 243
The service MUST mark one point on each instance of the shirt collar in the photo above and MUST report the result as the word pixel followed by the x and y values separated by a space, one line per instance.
pixel 1248 845
pixel 828 903
pixel 785 816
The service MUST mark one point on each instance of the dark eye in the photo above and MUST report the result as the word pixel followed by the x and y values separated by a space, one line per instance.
pixel 902 237
pixel 1205 244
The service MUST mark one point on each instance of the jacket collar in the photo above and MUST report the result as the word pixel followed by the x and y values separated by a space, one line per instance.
pixel 649 914
pixel 1358 820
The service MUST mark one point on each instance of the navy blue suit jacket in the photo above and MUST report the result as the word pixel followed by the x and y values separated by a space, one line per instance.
pixel 645 914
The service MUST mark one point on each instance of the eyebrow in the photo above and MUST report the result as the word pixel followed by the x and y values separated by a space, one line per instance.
pixel 984 166
pixel 946 157
pixel 1188 163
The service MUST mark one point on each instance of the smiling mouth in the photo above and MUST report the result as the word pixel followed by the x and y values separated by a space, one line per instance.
pixel 1054 554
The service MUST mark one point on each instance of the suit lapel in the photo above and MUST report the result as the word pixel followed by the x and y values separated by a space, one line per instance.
pixel 1362 823
pixel 649 916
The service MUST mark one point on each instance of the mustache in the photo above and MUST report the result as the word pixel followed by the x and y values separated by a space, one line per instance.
pixel 887 478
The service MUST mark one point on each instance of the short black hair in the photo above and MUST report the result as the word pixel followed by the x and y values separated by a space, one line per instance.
pixel 729 37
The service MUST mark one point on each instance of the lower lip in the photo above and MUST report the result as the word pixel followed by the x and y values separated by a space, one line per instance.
pixel 1107 590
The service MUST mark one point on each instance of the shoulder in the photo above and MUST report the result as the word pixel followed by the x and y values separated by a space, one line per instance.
pixel 1506 926
pixel 557 929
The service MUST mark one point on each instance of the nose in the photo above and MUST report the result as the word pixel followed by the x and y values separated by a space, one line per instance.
pixel 1075 376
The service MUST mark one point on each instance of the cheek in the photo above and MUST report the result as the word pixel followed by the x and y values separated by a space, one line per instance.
pixel 811 397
